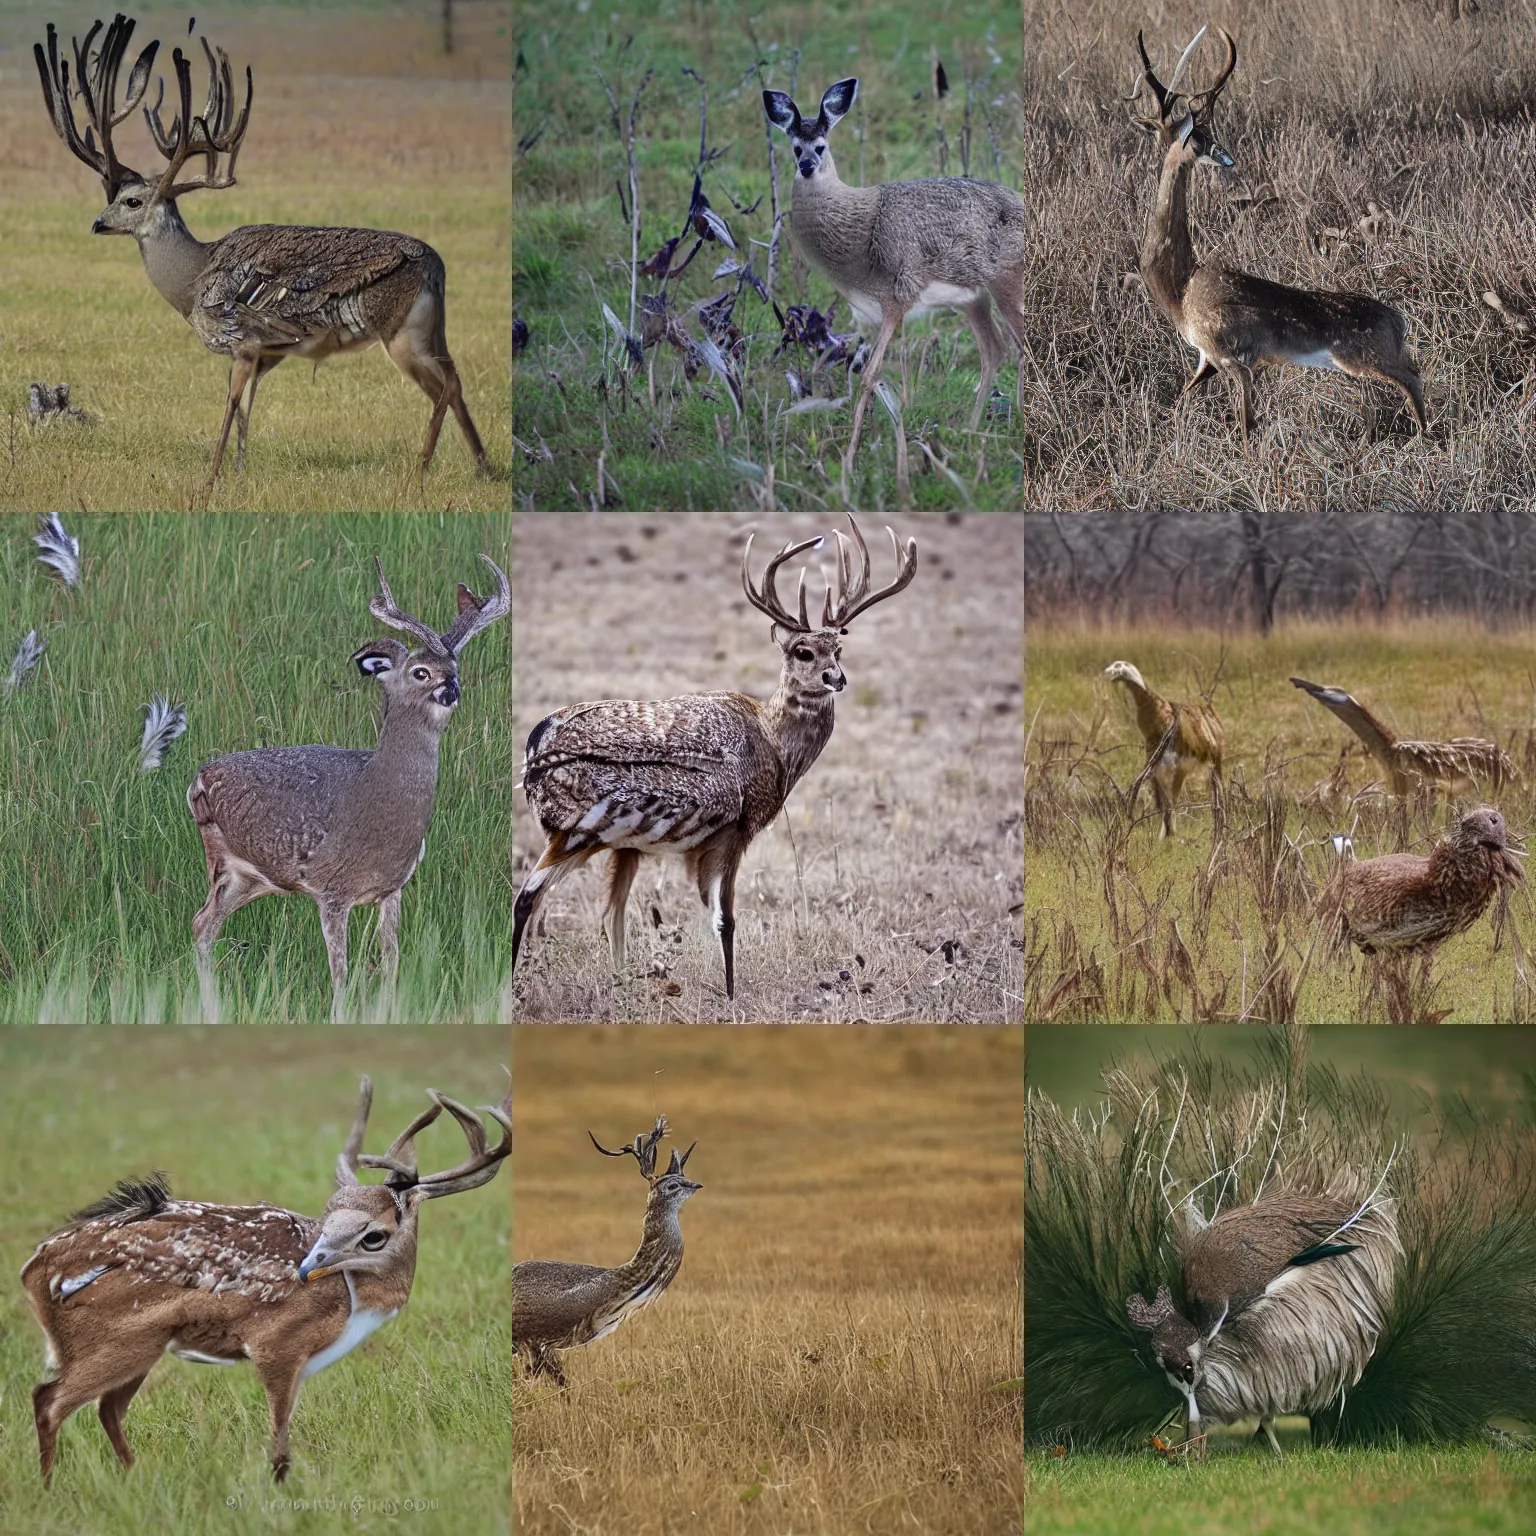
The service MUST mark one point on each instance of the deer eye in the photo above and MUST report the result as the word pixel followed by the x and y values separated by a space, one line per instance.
pixel 420 674
pixel 804 653
pixel 132 202
pixel 374 1240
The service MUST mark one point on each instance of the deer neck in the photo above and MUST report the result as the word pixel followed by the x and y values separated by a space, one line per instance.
pixel 1167 253
pixel 801 725
pixel 173 256
pixel 404 764
pixel 660 1254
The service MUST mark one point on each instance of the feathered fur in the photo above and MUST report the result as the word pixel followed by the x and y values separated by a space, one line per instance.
pixel 163 723
pixel 27 656
pixel 58 549
pixel 1458 766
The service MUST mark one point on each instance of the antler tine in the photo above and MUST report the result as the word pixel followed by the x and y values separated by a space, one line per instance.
pixel 384 608
pixel 766 599
pixel 483 1161
pixel 482 614
pixel 346 1159
pixel 1159 90
pixel 1148 1315
pixel 851 604
pixel 1183 64
pixel 216 132
pixel 400 1159
pixel 642 1149
pixel 678 1163
pixel 1207 98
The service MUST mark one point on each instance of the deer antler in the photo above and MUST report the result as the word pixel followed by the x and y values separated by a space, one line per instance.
pixel 214 133
pixel 96 85
pixel 852 589
pixel 400 1160
pixel 476 613
pixel 767 597
pixel 643 1149
pixel 384 608
pixel 1144 1316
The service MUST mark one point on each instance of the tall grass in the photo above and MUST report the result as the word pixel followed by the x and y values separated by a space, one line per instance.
pixel 839 1351
pixel 1221 921
pixel 667 442
pixel 420 1412
pixel 1383 147
pixel 248 622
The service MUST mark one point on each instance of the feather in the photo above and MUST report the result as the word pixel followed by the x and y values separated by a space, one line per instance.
pixel 716 360
pixel 163 723
pixel 58 550
pixel 27 657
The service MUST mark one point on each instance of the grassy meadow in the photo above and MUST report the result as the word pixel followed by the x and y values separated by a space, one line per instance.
pixel 1441 1491
pixel 248 622
pixel 420 1412
pixel 359 118
pixel 1209 926
pixel 590 430
pixel 890 885
pixel 840 1349
pixel 1381 146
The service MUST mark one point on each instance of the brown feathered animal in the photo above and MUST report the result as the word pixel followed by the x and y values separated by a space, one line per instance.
pixel 1457 766
pixel 1183 737
pixel 1403 902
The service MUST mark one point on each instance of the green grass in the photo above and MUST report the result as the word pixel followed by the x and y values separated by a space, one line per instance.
pixel 1331 1493
pixel 422 1411
pixel 358 119
pixel 248 622
pixel 1245 902
pixel 686 448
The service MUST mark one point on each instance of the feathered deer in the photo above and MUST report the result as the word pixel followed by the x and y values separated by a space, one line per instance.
pixel 1179 739
pixel 1406 902
pixel 1458 766
pixel 559 1306
pixel 698 776
pixel 1284 1300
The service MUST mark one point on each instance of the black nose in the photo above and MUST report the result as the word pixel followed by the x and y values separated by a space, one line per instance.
pixel 807 167
pixel 98 228
pixel 448 694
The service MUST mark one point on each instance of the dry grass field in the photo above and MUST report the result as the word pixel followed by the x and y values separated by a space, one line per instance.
pixel 359 119
pixel 1209 925
pixel 1383 146
pixel 890 887
pixel 840 1349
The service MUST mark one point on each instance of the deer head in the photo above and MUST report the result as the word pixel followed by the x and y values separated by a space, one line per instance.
pixel 213 136
pixel 669 1190
pixel 425 681
pixel 1176 1342
pixel 813 653
pixel 808 139
pixel 368 1228
pixel 1186 120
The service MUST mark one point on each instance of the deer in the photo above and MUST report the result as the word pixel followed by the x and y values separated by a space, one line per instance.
pixel 559 1306
pixel 1236 322
pixel 701 775
pixel 1285 1299
pixel 906 247
pixel 345 827
pixel 139 1274
pixel 263 292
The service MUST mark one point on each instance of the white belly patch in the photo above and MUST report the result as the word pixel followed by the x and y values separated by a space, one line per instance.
pixel 944 296
pixel 1320 359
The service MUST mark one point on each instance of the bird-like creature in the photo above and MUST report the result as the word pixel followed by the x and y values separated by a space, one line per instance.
pixel 1179 739
pixel 1284 1300
pixel 1458 766
pixel 1408 902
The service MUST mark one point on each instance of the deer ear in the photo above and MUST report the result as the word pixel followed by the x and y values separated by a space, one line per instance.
pixel 379 656
pixel 838 100
pixel 780 108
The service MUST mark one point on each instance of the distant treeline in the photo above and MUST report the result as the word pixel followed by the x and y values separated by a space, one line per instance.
pixel 1251 566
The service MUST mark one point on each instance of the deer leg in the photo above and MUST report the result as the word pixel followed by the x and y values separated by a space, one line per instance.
pixel 553 866
pixel 264 366
pixel 1009 294
pixel 989 343
pixel 241 370
pixel 889 319
pixel 110 1410
pixel 228 892
pixel 1205 370
pixel 1267 1430
pixel 282 1381
pixel 1246 418
pixel 333 924
pixel 389 942
pixel 54 1401
pixel 1164 805
pixel 434 372
pixel 716 872
pixel 623 863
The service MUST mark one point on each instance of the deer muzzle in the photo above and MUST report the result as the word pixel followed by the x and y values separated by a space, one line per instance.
pixel 316 1264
